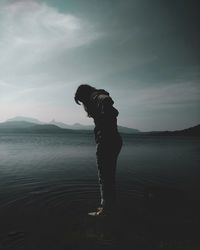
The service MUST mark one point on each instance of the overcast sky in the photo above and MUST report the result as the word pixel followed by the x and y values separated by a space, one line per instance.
pixel 144 53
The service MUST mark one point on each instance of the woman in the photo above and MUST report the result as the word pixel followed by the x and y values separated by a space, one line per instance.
pixel 99 106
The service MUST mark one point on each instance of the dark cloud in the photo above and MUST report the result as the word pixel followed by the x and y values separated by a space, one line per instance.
pixel 144 44
pixel 141 29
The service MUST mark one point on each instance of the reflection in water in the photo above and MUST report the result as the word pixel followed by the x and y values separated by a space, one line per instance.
pixel 48 183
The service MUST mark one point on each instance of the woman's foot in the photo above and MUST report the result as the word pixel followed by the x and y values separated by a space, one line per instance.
pixel 99 213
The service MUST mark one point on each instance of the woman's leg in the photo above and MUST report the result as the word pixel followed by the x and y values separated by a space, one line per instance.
pixel 107 155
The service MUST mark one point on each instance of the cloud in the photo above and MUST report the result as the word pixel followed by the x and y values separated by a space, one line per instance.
pixel 164 107
pixel 33 39
pixel 135 50
pixel 31 32
pixel 162 97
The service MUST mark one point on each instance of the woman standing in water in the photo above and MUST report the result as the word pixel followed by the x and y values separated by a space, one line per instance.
pixel 99 106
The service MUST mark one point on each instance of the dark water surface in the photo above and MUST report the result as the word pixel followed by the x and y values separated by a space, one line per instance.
pixel 48 183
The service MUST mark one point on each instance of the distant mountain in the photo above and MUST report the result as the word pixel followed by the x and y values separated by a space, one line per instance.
pixel 128 130
pixel 29 127
pixel 25 119
pixel 16 124
pixel 78 126
pixel 81 126
pixel 189 131
pixel 27 124
pixel 46 128
pixel 74 126
pixel 194 131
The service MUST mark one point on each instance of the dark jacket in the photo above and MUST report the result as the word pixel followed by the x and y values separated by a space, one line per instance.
pixel 104 115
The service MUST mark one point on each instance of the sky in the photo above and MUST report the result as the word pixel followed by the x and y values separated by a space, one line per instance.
pixel 144 53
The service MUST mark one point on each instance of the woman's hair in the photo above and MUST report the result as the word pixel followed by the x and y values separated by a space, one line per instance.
pixel 83 94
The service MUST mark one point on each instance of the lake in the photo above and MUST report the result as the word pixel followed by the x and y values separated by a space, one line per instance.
pixel 48 184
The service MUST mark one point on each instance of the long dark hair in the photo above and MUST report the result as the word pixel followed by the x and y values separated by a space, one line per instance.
pixel 83 94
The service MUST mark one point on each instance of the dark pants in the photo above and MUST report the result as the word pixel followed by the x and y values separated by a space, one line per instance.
pixel 107 153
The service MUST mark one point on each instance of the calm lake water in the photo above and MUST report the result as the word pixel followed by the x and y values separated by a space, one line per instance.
pixel 47 178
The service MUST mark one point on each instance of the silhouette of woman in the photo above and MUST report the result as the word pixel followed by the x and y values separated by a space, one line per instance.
pixel 99 106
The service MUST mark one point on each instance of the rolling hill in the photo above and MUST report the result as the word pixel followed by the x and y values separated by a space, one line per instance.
pixel 31 125
pixel 22 122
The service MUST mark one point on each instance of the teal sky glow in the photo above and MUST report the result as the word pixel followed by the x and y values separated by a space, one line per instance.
pixel 145 53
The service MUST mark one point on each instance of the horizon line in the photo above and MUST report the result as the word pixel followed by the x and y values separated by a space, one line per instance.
pixel 94 125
